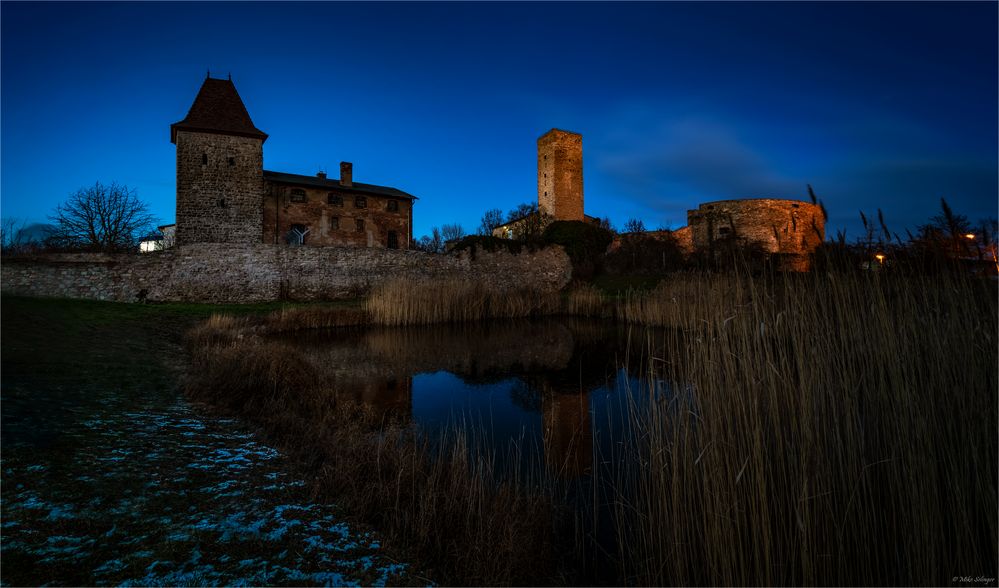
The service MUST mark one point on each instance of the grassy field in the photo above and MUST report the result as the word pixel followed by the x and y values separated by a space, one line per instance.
pixel 109 477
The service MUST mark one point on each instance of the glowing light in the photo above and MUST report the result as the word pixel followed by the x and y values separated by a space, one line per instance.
pixel 880 257
pixel 969 236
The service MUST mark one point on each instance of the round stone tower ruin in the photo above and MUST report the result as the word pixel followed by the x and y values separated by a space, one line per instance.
pixel 789 228
pixel 220 166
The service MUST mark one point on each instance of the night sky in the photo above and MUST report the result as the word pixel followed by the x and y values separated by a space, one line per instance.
pixel 888 106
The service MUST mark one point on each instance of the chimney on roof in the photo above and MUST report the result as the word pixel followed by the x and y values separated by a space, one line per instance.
pixel 346 173
pixel 321 175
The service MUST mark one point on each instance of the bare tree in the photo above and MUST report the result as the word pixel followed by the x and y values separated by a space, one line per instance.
pixel 431 244
pixel 11 235
pixel 102 218
pixel 521 211
pixel 452 232
pixel 634 225
pixel 490 220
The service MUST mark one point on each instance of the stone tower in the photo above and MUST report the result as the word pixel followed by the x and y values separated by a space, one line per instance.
pixel 220 167
pixel 560 175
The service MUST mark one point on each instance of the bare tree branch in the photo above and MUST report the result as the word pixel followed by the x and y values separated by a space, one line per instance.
pixel 101 218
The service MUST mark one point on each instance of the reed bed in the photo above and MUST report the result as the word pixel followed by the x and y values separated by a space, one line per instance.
pixel 404 302
pixel 821 430
pixel 441 504
pixel 587 301
pixel 797 430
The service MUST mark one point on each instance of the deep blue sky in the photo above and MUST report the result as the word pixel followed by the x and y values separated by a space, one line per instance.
pixel 876 105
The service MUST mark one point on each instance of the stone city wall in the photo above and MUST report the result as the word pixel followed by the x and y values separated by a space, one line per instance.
pixel 224 273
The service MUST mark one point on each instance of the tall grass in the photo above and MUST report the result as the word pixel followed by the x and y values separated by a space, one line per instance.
pixel 814 429
pixel 837 430
pixel 404 302
pixel 443 504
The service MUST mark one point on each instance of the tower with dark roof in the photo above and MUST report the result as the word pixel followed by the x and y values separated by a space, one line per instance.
pixel 220 165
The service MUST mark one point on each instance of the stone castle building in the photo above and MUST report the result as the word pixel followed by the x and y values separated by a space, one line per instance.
pixel 560 184
pixel 791 229
pixel 224 194
pixel 560 175
pixel 777 226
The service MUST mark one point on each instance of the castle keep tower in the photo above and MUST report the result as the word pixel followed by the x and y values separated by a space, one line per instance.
pixel 220 166
pixel 560 175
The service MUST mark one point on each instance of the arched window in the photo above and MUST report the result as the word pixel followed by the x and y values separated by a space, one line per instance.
pixel 296 236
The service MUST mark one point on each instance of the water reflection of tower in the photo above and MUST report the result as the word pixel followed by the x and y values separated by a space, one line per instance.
pixel 567 431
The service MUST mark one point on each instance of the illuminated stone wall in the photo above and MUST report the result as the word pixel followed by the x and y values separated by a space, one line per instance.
pixel 331 215
pixel 791 228
pixel 560 175
pixel 227 273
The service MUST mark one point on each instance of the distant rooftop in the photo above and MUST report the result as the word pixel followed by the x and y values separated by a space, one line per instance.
pixel 218 109
pixel 334 184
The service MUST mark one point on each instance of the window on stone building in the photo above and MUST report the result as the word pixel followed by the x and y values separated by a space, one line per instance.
pixel 359 224
pixel 297 234
pixel 334 199
pixel 335 223
pixel 298 195
pixel 360 202
pixel 204 159
pixel 723 230
pixel 392 206
pixel 393 240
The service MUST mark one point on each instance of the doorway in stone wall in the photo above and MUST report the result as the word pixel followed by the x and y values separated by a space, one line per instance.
pixel 393 240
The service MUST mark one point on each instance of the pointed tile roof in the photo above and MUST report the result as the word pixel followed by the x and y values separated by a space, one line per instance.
pixel 218 109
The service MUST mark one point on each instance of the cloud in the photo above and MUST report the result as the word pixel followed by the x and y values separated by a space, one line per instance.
pixel 682 162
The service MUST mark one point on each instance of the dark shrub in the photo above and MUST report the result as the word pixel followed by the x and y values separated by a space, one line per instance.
pixel 475 243
pixel 584 242
pixel 645 254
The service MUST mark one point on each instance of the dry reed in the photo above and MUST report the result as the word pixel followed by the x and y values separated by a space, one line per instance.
pixel 820 429
pixel 442 504
pixel 826 430
pixel 404 302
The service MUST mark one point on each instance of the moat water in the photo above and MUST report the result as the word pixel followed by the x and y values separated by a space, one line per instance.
pixel 558 391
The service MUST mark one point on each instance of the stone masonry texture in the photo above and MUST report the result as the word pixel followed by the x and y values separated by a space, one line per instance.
pixel 227 273
pixel 560 175
pixel 219 188
pixel 331 215
pixel 791 228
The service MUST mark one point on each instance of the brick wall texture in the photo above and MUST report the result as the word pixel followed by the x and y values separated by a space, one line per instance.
pixel 227 273
pixel 334 221
pixel 219 188
pixel 560 175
